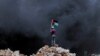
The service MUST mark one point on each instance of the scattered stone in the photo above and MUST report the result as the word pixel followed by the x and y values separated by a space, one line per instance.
pixel 8 52
pixel 44 51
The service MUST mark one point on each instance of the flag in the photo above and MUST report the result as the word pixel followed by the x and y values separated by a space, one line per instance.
pixel 54 24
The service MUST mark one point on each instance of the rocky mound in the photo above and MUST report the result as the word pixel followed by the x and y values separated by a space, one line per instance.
pixel 8 52
pixel 53 51
pixel 44 51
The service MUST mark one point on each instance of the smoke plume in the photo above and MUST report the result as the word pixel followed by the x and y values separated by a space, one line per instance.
pixel 78 21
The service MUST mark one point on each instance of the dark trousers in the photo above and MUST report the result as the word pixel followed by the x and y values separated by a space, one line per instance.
pixel 53 41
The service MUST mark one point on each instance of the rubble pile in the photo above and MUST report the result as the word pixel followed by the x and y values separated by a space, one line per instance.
pixel 8 52
pixel 44 51
pixel 53 51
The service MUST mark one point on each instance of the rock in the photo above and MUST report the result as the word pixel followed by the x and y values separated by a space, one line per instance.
pixel 54 51
pixel 44 51
pixel 8 52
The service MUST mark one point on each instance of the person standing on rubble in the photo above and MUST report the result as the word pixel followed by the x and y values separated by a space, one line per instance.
pixel 54 25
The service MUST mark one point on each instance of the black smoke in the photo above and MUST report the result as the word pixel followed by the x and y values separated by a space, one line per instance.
pixel 25 24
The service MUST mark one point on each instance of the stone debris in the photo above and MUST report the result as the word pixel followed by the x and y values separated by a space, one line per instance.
pixel 44 51
pixel 8 52
pixel 53 51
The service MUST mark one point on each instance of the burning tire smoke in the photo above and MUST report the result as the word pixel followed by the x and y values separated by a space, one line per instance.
pixel 21 20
